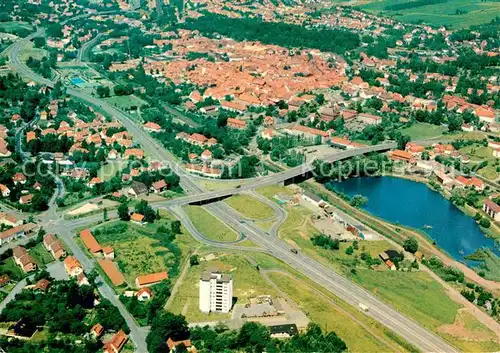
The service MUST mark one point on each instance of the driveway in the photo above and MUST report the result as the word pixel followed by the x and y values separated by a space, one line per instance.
pixel 57 271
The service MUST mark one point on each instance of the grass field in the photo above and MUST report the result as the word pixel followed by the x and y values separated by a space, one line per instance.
pixel 420 131
pixel 30 51
pixel 479 154
pixel 477 12
pixel 321 311
pixel 41 256
pixel 210 226
pixel 9 266
pixel 271 190
pixel 15 27
pixel 247 283
pixel 250 207
pixel 135 253
pixel 125 102
pixel 413 293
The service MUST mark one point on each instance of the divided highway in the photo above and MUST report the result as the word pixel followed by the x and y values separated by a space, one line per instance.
pixel 338 285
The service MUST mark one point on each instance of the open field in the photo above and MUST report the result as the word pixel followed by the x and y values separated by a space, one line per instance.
pixel 271 190
pixel 306 294
pixel 210 226
pixel 15 27
pixel 438 14
pixel 321 311
pixel 135 253
pixel 421 131
pixel 413 293
pixel 247 283
pixel 145 249
pixel 30 51
pixel 469 334
pixel 125 102
pixel 250 207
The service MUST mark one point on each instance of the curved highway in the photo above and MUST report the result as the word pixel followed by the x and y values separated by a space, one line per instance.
pixel 340 286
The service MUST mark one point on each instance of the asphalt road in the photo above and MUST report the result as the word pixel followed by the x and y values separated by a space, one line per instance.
pixel 340 286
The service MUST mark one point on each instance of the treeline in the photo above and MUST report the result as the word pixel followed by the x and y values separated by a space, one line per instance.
pixel 278 33
pixel 251 337
pixel 412 4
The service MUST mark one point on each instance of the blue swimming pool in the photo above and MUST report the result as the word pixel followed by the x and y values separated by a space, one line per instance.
pixel 77 81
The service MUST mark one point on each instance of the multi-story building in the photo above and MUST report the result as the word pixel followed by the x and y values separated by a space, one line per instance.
pixel 216 292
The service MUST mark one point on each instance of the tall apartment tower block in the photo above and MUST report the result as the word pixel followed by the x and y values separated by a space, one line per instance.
pixel 216 292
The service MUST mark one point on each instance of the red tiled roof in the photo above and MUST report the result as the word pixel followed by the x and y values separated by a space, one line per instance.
pixel 151 278
pixel 112 271
pixel 89 241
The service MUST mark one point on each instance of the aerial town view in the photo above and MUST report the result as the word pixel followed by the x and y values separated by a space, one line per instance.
pixel 279 176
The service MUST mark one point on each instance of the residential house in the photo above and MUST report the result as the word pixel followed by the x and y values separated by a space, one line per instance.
pixel 133 152
pixel 109 252
pixel 24 259
pixel 116 343
pixel 97 330
pixel 236 123
pixel 26 199
pixel 94 181
pixel 159 186
pixel 144 294
pixel 173 345
pixel 82 280
pixel 54 246
pixel 19 178
pixel 12 234
pixel 137 189
pixel 206 156
pixel 492 209
pixel 4 190
pixel 152 127
pixel 137 218
pixel 72 266
pixel 369 119
pixel 10 220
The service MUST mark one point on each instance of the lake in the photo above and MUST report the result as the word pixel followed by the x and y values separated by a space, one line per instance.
pixel 413 204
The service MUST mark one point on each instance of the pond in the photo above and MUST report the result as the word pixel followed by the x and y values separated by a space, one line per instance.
pixel 413 204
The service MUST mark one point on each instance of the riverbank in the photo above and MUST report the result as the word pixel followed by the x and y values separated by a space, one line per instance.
pixel 398 233
pixel 492 232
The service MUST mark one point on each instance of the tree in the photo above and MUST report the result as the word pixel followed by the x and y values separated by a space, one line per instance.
pixel 39 42
pixel 484 222
pixel 358 201
pixel 166 325
pixel 194 260
pixel 175 226
pixel 103 91
pixel 105 214
pixel 402 141
pixel 123 212
pixel 349 250
pixel 411 245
